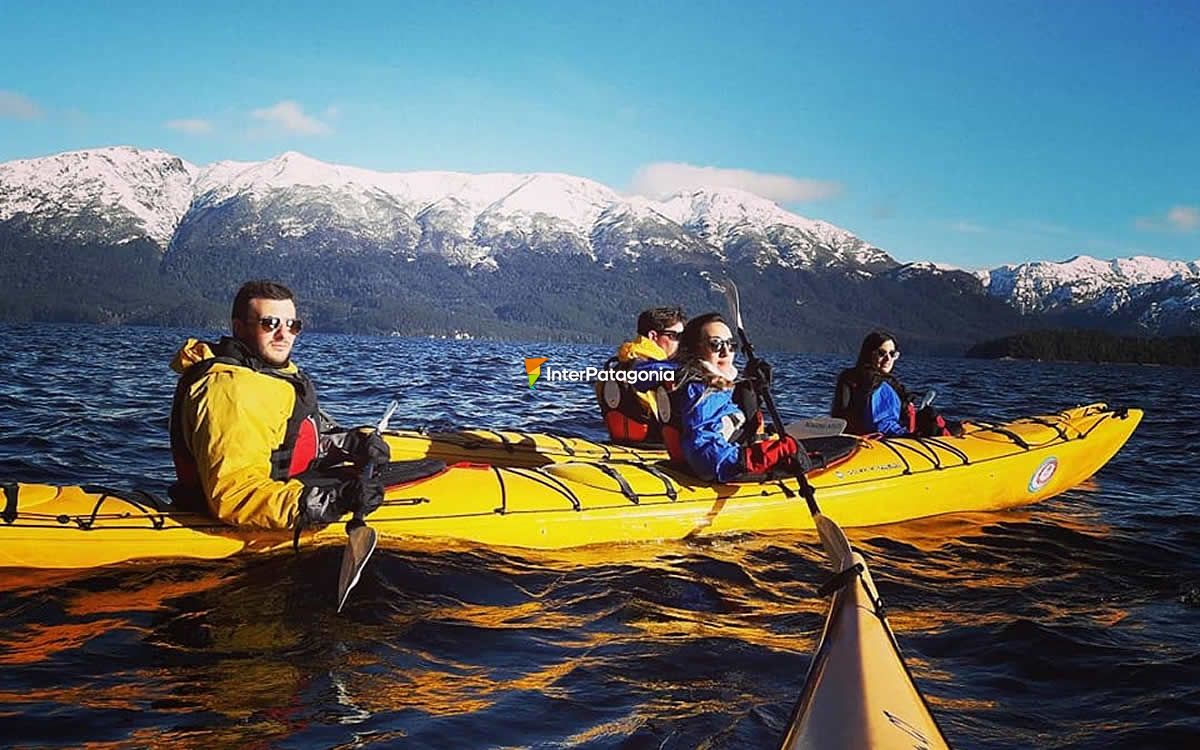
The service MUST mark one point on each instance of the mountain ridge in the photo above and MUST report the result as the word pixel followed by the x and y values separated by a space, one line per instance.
pixel 117 218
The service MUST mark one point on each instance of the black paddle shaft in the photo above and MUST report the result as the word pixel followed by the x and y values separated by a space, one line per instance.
pixel 764 395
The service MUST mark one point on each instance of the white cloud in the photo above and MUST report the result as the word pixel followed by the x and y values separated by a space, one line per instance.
pixel 663 179
pixel 1043 227
pixel 289 116
pixel 191 126
pixel 1178 219
pixel 18 106
pixel 967 227
pixel 1184 218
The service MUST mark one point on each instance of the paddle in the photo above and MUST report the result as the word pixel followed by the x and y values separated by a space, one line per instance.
pixel 927 399
pixel 360 538
pixel 764 393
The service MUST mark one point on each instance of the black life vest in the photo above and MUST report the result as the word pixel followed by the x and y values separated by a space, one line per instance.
pixel 298 450
pixel 623 412
pixel 852 399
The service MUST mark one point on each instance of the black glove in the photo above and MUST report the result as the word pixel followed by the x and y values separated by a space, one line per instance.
pixel 363 496
pixel 369 448
pixel 760 370
pixel 326 500
pixel 364 446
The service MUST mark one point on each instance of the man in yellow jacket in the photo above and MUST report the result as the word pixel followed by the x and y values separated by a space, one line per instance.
pixel 630 415
pixel 250 444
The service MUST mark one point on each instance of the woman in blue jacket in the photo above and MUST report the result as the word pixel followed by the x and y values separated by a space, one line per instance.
pixel 719 440
pixel 868 396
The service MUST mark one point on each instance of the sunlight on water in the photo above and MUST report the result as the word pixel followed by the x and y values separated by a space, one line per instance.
pixel 1064 624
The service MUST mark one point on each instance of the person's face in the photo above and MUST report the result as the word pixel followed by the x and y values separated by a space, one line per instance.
pixel 717 345
pixel 266 330
pixel 667 338
pixel 886 355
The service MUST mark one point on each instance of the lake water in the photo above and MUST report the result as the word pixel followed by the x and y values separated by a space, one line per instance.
pixel 1074 623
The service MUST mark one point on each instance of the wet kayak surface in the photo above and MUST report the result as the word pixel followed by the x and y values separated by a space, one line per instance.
pixel 1071 623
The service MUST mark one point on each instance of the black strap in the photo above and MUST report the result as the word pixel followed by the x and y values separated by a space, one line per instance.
pixel 1052 425
pixel 840 580
pixel 613 474
pixel 10 502
pixel 1005 432
pixel 672 495
pixel 499 472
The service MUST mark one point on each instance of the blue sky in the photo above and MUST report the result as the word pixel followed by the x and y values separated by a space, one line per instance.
pixel 971 133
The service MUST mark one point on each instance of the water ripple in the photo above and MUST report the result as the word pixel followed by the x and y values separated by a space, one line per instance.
pixel 1070 624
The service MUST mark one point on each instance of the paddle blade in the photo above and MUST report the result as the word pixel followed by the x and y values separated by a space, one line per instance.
pixel 815 427
pixel 834 540
pixel 359 546
pixel 731 298
pixel 387 416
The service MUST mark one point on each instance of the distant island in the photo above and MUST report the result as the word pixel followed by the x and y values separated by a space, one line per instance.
pixel 1092 346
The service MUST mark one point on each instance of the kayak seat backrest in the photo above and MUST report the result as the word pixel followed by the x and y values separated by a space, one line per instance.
pixel 829 450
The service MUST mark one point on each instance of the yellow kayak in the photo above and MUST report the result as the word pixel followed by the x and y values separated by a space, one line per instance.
pixel 859 692
pixel 572 503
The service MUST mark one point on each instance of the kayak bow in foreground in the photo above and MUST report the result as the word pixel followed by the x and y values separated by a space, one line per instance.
pixel 858 693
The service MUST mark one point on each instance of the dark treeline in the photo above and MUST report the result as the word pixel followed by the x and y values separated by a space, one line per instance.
pixel 1092 346
pixel 529 294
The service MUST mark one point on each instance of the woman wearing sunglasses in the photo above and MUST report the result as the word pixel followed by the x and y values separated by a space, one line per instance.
pixel 717 428
pixel 868 396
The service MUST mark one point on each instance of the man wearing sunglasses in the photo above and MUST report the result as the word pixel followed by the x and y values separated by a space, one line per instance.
pixel 250 444
pixel 630 415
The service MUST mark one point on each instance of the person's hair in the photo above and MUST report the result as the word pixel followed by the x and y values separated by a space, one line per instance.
pixel 690 344
pixel 659 318
pixel 870 345
pixel 260 289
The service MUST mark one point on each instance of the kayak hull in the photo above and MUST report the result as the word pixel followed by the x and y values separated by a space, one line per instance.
pixel 574 503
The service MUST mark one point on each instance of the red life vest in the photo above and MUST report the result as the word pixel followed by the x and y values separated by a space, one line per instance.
pixel 623 412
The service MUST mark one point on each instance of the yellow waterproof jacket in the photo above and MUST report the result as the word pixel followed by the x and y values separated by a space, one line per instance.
pixel 628 354
pixel 231 421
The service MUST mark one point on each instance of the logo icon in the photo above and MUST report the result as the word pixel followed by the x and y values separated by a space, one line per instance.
pixel 533 368
pixel 1044 474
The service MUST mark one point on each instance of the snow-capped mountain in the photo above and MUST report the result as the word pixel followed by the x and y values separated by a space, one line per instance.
pixel 1162 292
pixel 134 220
pixel 293 203
pixel 744 226
pixel 119 193
pixel 1081 281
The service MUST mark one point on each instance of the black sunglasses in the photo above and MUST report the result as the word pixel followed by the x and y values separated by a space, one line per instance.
pixel 718 344
pixel 673 335
pixel 271 323
pixel 885 354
